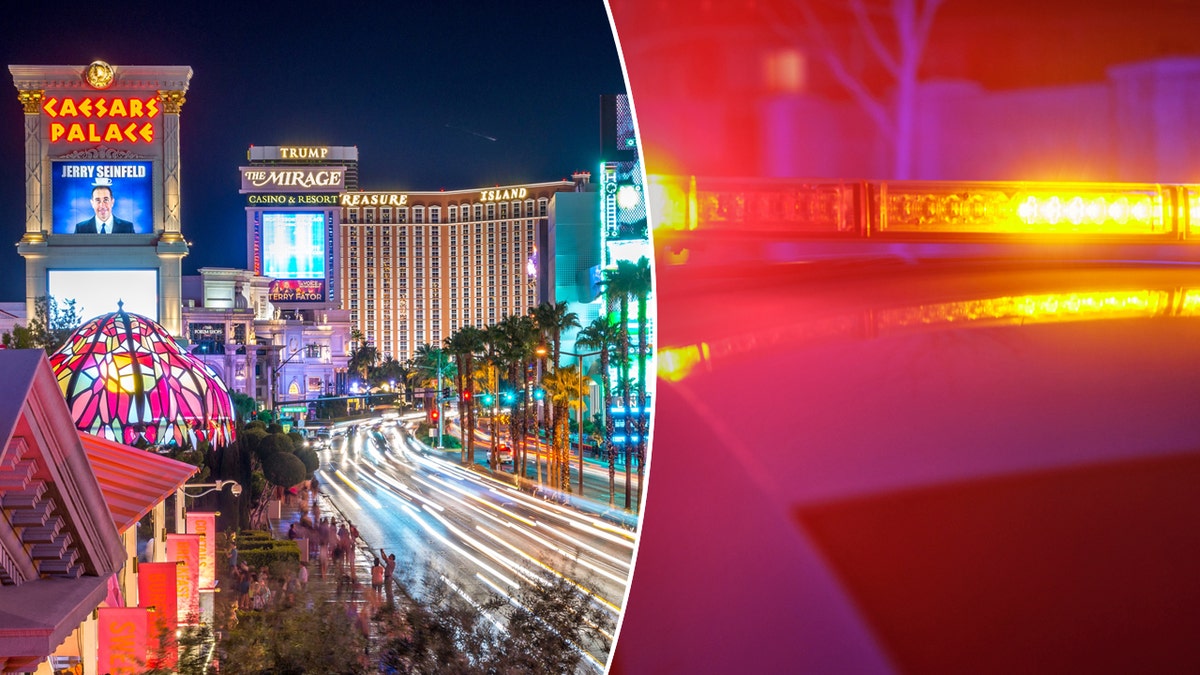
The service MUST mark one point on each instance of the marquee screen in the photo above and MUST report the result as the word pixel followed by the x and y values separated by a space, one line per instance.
pixel 293 255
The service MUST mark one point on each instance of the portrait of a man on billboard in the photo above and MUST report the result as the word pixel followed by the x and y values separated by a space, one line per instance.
pixel 102 197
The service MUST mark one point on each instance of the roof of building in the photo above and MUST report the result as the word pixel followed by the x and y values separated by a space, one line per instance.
pixel 132 480
pixel 126 379
pixel 58 543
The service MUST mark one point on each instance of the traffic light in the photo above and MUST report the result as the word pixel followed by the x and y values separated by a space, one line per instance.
pixel 539 394
pixel 433 415
pixel 509 397
pixel 487 399
pixel 466 395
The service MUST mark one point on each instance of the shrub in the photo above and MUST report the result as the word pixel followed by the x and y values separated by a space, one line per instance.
pixel 269 554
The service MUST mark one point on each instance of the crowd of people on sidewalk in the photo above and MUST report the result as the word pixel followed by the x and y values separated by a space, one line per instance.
pixel 331 549
pixel 254 588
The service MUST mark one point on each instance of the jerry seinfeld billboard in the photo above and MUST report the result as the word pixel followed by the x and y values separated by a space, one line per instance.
pixel 102 197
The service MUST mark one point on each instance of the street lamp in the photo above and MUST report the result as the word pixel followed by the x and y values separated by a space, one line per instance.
pixel 307 349
pixel 180 492
pixel 437 399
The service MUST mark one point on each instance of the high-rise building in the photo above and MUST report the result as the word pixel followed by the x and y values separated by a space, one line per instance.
pixel 403 268
pixel 417 266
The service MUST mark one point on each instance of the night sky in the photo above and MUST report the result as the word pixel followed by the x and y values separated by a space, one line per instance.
pixel 420 88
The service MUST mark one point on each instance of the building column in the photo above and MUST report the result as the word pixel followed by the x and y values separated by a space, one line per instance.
pixel 171 245
pixel 35 187
pixel 31 101
pixel 159 540
pixel 172 103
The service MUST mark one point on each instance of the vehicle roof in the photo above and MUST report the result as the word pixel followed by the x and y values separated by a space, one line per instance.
pixel 954 467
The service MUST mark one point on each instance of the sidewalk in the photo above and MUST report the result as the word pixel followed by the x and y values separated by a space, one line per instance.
pixel 358 589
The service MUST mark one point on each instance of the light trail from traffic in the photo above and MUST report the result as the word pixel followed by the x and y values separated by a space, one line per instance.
pixel 479 534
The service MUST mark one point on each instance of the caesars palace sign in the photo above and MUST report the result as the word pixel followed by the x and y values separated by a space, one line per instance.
pixel 99 119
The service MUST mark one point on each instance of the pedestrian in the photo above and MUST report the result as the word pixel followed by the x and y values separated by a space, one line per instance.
pixel 337 557
pixel 243 585
pixel 257 597
pixel 389 569
pixel 377 572
pixel 233 553
pixel 302 576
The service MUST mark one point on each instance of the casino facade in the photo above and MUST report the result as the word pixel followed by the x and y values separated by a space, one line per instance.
pixel 409 267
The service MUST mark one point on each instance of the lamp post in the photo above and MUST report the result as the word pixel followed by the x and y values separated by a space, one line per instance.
pixel 580 416
pixel 306 349
pixel 437 398
pixel 180 493
pixel 540 353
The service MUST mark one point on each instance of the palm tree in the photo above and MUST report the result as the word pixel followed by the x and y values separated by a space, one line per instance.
pixel 564 388
pixel 552 320
pixel 363 360
pixel 432 362
pixel 464 344
pixel 618 286
pixel 389 370
pixel 601 336
pixel 640 287
pixel 519 337
pixel 493 350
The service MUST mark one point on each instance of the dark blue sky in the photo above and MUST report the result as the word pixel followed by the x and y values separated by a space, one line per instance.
pixel 415 85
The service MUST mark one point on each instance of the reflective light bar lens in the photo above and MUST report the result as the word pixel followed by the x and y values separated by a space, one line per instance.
pixel 1021 208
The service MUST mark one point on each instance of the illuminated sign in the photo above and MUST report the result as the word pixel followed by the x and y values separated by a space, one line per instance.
pixel 203 524
pixel 501 195
pixel 321 179
pixel 121 637
pixel 98 119
pixel 98 291
pixel 374 199
pixel 303 153
pixel 204 332
pixel 297 290
pixel 156 590
pixel 113 196
pixel 280 199
pixel 293 245
pixel 293 255
pixel 185 549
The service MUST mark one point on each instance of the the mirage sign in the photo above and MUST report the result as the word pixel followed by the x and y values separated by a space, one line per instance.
pixel 293 178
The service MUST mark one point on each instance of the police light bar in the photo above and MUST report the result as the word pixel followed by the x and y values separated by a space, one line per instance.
pixel 685 208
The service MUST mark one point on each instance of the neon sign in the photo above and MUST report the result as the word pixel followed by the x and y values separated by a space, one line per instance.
pixel 307 178
pixel 130 119
pixel 501 195
pixel 303 153
pixel 373 199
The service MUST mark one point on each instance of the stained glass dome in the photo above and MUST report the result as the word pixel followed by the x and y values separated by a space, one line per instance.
pixel 126 379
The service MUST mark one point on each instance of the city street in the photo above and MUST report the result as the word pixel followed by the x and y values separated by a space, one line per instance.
pixel 595 476
pixel 480 535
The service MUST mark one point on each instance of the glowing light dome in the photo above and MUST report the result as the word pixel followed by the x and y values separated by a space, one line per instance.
pixel 126 379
